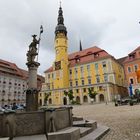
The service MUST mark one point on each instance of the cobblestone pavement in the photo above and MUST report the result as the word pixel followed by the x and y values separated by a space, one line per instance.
pixel 124 121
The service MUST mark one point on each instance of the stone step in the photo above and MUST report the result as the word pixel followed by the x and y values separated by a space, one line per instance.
pixel 97 134
pixel 77 118
pixel 85 123
pixel 4 138
pixel 72 133
pixel 85 131
pixel 34 137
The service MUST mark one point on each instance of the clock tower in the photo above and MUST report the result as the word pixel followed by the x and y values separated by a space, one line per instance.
pixel 61 49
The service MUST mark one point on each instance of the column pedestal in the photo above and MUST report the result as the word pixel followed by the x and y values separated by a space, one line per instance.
pixel 32 91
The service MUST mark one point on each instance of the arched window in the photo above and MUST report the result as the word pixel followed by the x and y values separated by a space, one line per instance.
pixel 101 97
pixel 85 99
pixel 78 99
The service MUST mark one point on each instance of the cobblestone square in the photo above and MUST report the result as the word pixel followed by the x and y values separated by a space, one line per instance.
pixel 124 121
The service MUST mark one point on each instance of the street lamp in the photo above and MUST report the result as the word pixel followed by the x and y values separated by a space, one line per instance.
pixel 105 93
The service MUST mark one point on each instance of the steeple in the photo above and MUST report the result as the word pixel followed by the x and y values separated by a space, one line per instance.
pixel 60 28
pixel 80 46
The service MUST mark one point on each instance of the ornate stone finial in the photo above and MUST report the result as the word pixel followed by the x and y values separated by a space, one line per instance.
pixel 32 52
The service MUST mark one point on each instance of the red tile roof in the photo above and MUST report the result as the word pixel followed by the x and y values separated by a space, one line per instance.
pixel 85 56
pixel 134 55
pixel 9 68
pixel 138 48
pixel 88 55
pixel 12 69
pixel 121 60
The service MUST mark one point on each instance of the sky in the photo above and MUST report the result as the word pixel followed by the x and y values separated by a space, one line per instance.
pixel 112 25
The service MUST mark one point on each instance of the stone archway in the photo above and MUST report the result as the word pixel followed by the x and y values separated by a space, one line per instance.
pixel 101 98
pixel 85 99
pixel 50 101
pixel 65 101
pixel 78 99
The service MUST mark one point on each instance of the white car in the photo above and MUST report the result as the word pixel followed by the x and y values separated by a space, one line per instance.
pixel 1 109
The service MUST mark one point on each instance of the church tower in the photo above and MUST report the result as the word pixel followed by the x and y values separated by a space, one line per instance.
pixel 61 50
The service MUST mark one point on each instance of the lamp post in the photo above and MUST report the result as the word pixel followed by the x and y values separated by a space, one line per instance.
pixel 105 93
pixel 3 98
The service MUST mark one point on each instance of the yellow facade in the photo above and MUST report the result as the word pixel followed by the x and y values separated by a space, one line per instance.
pixel 111 78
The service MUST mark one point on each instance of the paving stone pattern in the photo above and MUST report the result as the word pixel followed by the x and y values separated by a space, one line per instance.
pixel 124 121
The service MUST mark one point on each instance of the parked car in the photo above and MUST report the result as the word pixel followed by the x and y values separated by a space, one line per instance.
pixel 2 109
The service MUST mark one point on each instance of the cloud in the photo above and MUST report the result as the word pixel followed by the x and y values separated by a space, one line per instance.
pixel 109 24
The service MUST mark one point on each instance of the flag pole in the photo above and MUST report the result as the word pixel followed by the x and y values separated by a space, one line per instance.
pixel 41 31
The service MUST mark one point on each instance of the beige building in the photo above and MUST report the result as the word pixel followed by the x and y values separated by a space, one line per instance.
pixel 13 83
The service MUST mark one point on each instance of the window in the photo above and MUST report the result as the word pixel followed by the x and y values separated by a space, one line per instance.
pixel 52 76
pixel 88 67
pixel 49 86
pixel 97 79
pixel 77 90
pixel 70 84
pixel 76 83
pixel 100 88
pixel 135 67
pixel 131 81
pixel 89 81
pixel 76 70
pixel 88 70
pixel 96 66
pixel 92 88
pixel 70 71
pixel 82 71
pixel 105 78
pixel 129 69
pixel 83 82
pixel 48 76
pixel 104 64
pixel 84 89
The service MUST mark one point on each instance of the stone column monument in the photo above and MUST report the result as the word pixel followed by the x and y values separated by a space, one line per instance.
pixel 32 64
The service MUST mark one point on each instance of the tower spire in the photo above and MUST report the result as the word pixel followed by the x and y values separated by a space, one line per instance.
pixel 80 46
pixel 60 3
pixel 60 28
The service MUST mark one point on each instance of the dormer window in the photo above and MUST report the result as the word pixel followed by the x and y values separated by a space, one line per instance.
pixel 131 56
pixel 96 55
pixel 77 58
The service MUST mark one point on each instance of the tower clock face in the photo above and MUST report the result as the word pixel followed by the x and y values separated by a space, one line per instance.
pixel 58 65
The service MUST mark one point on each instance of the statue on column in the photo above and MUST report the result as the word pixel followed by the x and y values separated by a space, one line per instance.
pixel 33 51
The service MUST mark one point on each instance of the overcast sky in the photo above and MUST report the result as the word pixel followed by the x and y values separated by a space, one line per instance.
pixel 112 25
